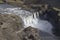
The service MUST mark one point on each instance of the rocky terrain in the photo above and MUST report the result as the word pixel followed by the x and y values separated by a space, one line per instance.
pixel 11 28
pixel 30 33
pixel 9 24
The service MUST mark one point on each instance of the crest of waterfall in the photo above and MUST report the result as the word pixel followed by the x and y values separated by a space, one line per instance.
pixel 35 22
pixel 30 19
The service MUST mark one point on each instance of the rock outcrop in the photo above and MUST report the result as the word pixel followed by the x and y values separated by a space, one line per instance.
pixel 30 33
pixel 11 28
pixel 9 24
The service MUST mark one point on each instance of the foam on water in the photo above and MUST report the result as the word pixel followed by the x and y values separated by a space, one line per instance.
pixel 37 23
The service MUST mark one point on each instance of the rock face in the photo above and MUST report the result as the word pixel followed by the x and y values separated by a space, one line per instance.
pixel 29 34
pixel 9 24
pixel 46 12
pixel 51 15
pixel 34 34
pixel 11 28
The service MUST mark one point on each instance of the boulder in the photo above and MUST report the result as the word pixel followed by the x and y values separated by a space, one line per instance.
pixel 9 24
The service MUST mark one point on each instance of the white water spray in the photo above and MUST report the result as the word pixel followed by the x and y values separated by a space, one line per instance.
pixel 30 19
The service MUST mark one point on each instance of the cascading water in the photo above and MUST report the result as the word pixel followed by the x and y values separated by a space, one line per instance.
pixel 29 18
pixel 38 23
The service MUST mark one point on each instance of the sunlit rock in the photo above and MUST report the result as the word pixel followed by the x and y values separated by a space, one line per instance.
pixel 9 24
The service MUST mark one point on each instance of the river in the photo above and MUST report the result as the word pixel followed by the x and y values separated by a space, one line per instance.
pixel 29 18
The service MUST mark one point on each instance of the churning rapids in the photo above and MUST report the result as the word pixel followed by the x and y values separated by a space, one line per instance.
pixel 30 18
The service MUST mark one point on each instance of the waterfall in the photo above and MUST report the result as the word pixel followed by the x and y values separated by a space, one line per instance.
pixel 29 18
pixel 38 23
